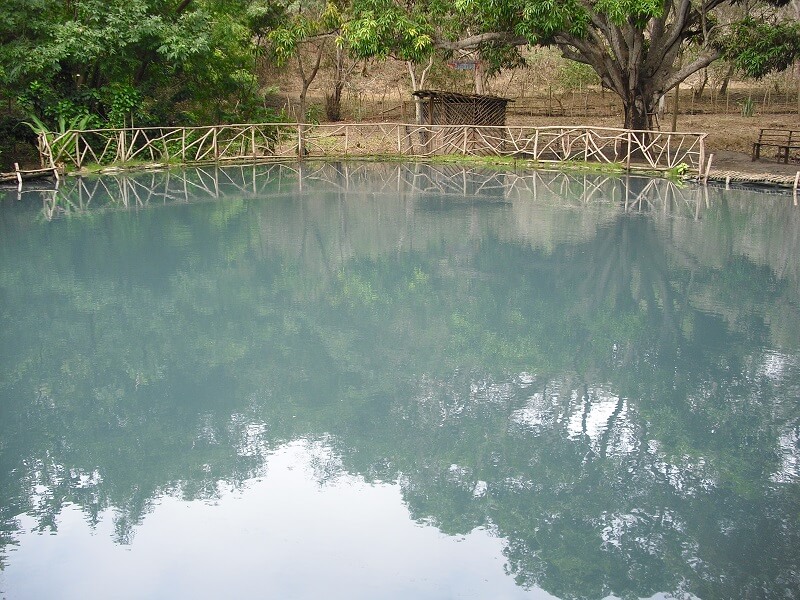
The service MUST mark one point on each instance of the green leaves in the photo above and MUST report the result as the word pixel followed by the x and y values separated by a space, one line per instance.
pixel 638 11
pixel 759 48
pixel 199 60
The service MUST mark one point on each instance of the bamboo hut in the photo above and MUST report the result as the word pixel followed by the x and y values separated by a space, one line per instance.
pixel 487 113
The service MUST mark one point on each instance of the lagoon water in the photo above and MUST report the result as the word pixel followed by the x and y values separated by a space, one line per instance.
pixel 398 381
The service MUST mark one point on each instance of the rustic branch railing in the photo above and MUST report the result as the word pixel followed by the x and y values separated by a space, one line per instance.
pixel 654 150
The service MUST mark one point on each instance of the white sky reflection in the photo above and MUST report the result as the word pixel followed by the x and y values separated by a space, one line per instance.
pixel 284 536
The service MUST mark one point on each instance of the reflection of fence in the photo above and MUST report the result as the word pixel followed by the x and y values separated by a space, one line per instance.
pixel 220 143
pixel 77 195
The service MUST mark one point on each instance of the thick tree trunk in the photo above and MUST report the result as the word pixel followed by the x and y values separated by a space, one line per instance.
pixel 638 117
pixel 638 112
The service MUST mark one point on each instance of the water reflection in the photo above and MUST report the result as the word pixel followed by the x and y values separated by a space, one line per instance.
pixel 601 372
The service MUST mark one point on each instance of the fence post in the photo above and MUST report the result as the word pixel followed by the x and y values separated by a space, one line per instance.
pixel 628 157
pixel 253 139
pixel 301 147
pixel 78 160
pixel 214 142
pixel 399 141
pixel 702 158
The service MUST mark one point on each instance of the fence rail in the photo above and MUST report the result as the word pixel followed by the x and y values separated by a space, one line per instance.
pixel 654 150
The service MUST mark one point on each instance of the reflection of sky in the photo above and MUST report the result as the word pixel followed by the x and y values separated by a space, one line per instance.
pixel 597 415
pixel 789 448
pixel 587 418
pixel 283 536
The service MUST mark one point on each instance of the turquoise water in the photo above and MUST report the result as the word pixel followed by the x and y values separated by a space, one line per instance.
pixel 398 381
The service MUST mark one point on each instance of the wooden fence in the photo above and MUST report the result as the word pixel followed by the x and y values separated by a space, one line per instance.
pixel 652 150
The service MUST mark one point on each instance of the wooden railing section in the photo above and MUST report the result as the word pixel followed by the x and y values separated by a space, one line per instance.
pixel 653 150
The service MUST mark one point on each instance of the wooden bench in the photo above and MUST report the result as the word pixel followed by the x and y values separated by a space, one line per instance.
pixel 783 140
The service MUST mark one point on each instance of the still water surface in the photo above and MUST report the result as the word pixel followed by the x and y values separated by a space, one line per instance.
pixel 398 381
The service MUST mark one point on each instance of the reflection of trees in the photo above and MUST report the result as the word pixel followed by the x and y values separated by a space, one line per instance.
pixel 594 393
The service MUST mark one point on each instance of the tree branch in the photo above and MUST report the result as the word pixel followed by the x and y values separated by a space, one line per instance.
pixel 474 41
pixel 698 63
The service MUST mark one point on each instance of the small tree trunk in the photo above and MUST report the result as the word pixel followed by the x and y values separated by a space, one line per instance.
pixel 480 80
pixel 333 102
pixel 698 92
pixel 675 107
pixel 726 80
pixel 418 83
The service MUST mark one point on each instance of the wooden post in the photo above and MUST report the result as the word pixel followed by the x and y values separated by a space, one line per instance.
pixel 78 159
pixel 183 144
pixel 536 145
pixel 346 138
pixel 301 147
pixel 19 177
pixel 794 188
pixel 708 168
pixel 464 149
pixel 702 158
pixel 399 141
pixel 253 139
pixel 628 158
pixel 214 142
pixel 586 135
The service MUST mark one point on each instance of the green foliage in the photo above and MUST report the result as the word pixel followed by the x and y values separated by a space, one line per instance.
pixel 123 101
pixel 314 20
pixel 134 61
pixel 748 107
pixel 758 48
pixel 68 144
pixel 380 28
pixel 573 75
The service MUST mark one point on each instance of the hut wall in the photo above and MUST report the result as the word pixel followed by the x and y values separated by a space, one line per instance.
pixel 446 108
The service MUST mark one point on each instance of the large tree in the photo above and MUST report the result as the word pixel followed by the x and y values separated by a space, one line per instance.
pixel 633 45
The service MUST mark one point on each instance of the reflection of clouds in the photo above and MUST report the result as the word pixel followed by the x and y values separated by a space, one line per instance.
pixel 600 418
pixel 789 444
pixel 774 365
pixel 279 536
pixel 687 475
pixel 537 413
pixel 593 420
pixel 253 440
pixel 642 532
